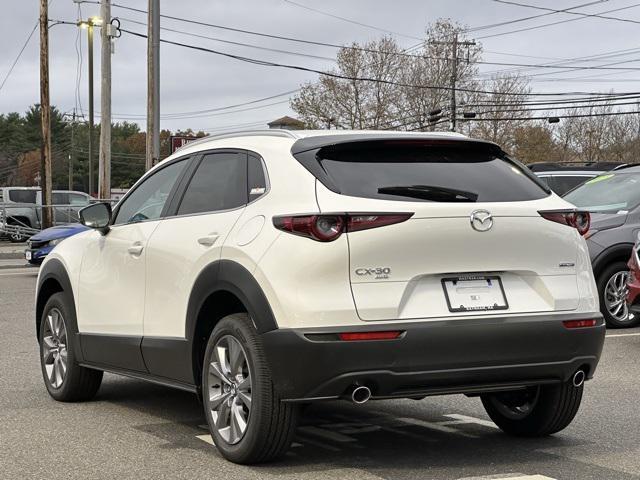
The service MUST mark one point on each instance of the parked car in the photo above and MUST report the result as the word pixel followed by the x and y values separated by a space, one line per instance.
pixel 23 207
pixel 633 281
pixel 39 246
pixel 565 176
pixel 613 199
pixel 272 269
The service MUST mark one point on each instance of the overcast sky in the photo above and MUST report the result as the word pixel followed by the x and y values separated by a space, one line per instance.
pixel 194 81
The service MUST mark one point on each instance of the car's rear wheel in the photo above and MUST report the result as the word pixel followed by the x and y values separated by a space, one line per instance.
pixel 536 411
pixel 612 288
pixel 66 381
pixel 247 420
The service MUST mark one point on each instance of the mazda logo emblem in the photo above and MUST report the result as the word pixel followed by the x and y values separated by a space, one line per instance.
pixel 481 220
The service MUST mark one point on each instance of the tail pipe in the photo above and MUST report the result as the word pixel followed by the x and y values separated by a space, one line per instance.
pixel 578 378
pixel 359 394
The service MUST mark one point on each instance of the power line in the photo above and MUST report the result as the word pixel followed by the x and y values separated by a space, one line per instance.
pixel 230 42
pixel 13 65
pixel 347 77
pixel 354 22
pixel 585 115
pixel 532 17
pixel 555 23
pixel 553 10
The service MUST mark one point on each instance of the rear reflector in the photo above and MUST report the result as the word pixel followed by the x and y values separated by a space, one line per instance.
pixel 357 336
pixel 579 323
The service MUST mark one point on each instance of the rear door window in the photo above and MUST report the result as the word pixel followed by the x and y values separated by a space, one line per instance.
pixel 428 171
pixel 256 181
pixel 219 183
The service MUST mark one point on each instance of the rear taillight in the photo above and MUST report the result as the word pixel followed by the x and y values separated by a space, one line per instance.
pixel 573 218
pixel 579 323
pixel 328 227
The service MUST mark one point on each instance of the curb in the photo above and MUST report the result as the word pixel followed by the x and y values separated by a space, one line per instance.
pixel 12 256
pixel 13 267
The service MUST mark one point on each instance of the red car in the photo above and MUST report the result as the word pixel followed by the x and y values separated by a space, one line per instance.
pixel 633 281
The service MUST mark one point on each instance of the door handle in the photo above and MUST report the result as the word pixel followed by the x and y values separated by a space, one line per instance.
pixel 135 249
pixel 208 240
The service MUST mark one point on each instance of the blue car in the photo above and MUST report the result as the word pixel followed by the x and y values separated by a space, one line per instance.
pixel 42 243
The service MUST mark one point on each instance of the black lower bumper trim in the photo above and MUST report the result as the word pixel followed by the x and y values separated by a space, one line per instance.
pixel 435 357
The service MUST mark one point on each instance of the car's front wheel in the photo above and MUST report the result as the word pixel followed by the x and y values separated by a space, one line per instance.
pixel 248 421
pixel 65 380
pixel 536 411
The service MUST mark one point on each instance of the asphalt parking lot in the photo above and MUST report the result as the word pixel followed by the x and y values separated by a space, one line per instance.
pixel 139 430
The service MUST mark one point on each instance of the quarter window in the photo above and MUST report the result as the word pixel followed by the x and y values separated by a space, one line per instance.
pixel 147 201
pixel 256 182
pixel 219 183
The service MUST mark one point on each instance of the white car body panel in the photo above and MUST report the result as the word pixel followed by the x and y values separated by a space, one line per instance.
pixel 313 284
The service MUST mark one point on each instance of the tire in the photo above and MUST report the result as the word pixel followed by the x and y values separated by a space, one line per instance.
pixel 270 423
pixel 549 409
pixel 608 282
pixel 17 237
pixel 76 383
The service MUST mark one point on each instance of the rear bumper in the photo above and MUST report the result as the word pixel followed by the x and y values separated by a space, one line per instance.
pixel 434 357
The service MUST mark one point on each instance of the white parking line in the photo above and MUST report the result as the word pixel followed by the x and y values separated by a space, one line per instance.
pixel 465 419
pixel 206 439
pixel 512 476
pixel 623 335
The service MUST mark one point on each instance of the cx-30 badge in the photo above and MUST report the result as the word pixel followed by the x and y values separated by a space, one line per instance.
pixel 481 220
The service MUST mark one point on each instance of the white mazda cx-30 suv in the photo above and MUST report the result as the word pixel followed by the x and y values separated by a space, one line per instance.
pixel 265 270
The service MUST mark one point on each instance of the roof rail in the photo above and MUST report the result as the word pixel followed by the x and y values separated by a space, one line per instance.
pixel 242 133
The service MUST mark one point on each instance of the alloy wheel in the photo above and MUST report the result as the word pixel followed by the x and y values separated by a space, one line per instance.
pixel 54 348
pixel 615 296
pixel 229 389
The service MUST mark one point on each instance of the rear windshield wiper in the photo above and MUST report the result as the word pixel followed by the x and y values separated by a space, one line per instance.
pixel 430 192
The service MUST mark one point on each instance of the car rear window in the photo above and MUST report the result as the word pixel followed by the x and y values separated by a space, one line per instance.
pixel 427 171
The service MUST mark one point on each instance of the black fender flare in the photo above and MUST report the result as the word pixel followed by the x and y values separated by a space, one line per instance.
pixel 618 250
pixel 230 276
pixel 53 269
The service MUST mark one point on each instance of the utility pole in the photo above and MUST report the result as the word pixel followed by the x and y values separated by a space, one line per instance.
pixel 91 122
pixel 454 78
pixel 153 85
pixel 45 116
pixel 455 44
pixel 104 161
pixel 73 149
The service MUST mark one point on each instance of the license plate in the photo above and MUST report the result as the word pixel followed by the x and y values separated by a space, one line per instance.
pixel 27 255
pixel 474 293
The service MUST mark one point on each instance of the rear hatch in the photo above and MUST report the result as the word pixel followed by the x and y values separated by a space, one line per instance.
pixel 475 244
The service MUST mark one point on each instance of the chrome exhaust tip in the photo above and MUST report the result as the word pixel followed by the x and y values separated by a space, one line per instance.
pixel 360 395
pixel 578 378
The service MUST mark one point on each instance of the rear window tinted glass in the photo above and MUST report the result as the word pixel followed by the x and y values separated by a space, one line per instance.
pixel 428 171
pixel 22 196
pixel 219 183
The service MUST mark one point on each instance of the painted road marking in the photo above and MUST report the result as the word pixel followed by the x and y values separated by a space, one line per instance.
pixel 465 419
pixel 509 476
pixel 206 439
pixel 623 335
pixel 434 426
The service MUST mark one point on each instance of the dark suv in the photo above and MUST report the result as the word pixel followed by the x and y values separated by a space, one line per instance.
pixel 613 198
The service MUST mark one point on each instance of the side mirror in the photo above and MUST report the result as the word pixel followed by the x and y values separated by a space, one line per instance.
pixel 96 216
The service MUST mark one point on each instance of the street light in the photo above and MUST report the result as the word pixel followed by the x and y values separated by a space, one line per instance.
pixel 88 25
